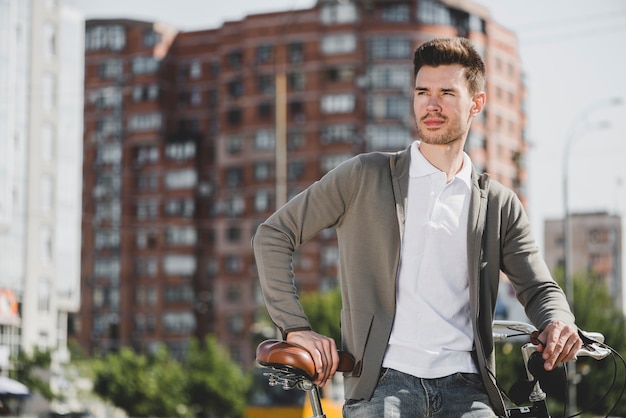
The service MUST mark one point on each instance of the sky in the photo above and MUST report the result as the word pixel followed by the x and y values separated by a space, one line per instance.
pixel 573 55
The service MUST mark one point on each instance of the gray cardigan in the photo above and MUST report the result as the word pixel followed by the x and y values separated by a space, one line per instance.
pixel 365 200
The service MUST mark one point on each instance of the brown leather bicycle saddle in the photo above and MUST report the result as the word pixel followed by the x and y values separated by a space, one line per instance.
pixel 283 355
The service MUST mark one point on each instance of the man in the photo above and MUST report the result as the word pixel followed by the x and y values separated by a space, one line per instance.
pixel 422 240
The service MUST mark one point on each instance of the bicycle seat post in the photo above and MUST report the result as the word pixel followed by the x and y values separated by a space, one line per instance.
pixel 314 398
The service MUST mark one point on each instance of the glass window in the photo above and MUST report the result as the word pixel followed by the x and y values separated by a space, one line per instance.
pixel 111 68
pixel 264 53
pixel 338 103
pixel 396 13
pixel 262 200
pixel 144 65
pixel 338 133
pixel 433 12
pixel 391 76
pixel 336 13
pixel 390 47
pixel 43 295
pixel 262 170
pixel 195 69
pixel 295 52
pixel 387 137
pixel 331 161
pixel 151 38
pixel 338 44
pixel 145 122
pixel 181 151
pixel 264 140
pixel 179 264
pixel 111 37
pixel 181 235
pixel 234 144
pixel 45 243
pixel 46 194
pixel 181 179
pixel 49 40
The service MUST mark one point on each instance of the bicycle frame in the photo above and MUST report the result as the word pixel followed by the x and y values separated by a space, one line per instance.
pixel 292 367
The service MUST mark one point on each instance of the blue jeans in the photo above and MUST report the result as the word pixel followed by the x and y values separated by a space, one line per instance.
pixel 399 395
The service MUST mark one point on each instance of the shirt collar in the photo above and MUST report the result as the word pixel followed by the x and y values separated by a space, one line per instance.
pixel 421 167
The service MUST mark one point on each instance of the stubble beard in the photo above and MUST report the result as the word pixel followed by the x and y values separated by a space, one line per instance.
pixel 451 132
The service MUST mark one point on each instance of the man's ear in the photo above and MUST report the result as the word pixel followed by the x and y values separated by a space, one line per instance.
pixel 478 102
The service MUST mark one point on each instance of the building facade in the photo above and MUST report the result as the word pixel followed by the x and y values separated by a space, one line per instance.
pixel 192 139
pixel 597 250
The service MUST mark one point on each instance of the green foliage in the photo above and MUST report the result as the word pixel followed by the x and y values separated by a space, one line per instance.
pixel 323 311
pixel 209 384
pixel 29 370
pixel 216 386
pixel 142 386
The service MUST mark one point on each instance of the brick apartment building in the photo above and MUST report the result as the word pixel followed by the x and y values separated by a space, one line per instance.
pixel 180 160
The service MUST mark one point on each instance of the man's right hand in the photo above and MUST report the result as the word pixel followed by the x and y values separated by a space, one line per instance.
pixel 323 350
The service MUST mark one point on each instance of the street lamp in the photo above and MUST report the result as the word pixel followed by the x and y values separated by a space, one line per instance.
pixel 579 126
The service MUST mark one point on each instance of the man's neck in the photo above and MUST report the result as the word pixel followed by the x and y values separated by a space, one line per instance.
pixel 447 158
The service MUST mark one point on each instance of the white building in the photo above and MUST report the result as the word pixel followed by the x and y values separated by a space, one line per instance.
pixel 41 101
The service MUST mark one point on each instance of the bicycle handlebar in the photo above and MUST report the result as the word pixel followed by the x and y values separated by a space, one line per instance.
pixel 592 341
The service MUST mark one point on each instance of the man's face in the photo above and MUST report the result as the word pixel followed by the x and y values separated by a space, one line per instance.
pixel 442 104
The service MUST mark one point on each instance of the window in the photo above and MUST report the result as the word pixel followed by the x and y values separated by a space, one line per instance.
pixel 264 140
pixel 388 107
pixel 195 69
pixel 235 88
pixel 338 44
pixel 295 52
pixel 179 264
pixel 180 207
pixel 151 38
pixel 433 12
pixel 106 267
pixel 107 97
pixel 234 116
pixel 45 244
pixel 296 81
pixel 234 144
pixel 235 206
pixel 396 13
pixel 234 264
pixel 331 161
pixel 110 153
pixel 145 93
pixel 147 155
pixel 110 37
pixel 108 126
pixel 265 84
pixel 181 179
pixel 264 54
pixel 265 110
pixel 146 266
pixel 144 65
pixel 262 170
pixel 181 235
pixel 295 169
pixel 338 103
pixel 235 59
pixel 391 76
pixel 338 74
pixel 387 137
pixel 146 238
pixel 49 40
pixel 336 13
pixel 43 295
pixel 262 200
pixel 338 133
pixel 329 256
pixel 145 122
pixel 181 151
pixel 234 177
pixel 233 234
pixel 147 209
pixel 390 47
pixel 174 294
pixel 107 239
pixel 179 322
pixel 111 69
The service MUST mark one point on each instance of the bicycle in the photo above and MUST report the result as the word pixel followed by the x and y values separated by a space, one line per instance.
pixel 291 366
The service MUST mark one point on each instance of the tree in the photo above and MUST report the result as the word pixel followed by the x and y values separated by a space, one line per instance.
pixel 29 367
pixel 216 386
pixel 142 386
pixel 324 311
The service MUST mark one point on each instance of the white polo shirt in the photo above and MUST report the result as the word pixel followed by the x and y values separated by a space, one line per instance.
pixel 432 333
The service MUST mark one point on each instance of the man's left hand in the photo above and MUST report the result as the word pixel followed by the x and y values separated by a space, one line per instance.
pixel 561 344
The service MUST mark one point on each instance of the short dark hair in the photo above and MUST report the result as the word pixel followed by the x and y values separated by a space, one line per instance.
pixel 448 51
